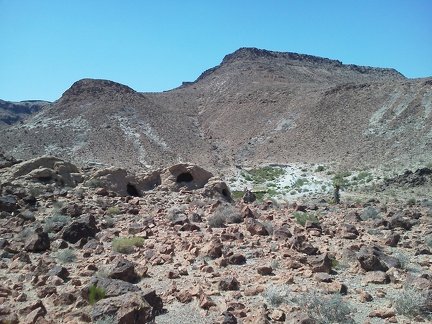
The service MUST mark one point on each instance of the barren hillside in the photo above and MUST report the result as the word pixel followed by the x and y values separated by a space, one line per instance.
pixel 12 112
pixel 256 107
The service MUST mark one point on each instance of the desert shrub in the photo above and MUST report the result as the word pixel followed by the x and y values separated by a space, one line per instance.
pixel 413 302
pixel 275 264
pixel 411 201
pixel 300 182
pixel 266 173
pixel 325 309
pixel 277 295
pixel 237 194
pixel 428 240
pixel 26 232
pixel 175 212
pixel 107 319
pixel 56 222
pixel 114 210
pixel 302 217
pixel 66 256
pixel 127 245
pixel 95 294
pixel 320 168
pixel 109 221
pixel 217 220
pixel 93 183
pixel 36 191
pixel 369 212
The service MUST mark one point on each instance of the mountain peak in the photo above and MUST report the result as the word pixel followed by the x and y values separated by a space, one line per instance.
pixel 95 88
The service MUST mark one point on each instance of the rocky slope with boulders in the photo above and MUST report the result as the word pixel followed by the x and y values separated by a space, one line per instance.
pixel 173 246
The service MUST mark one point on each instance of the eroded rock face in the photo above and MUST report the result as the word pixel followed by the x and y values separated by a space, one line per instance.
pixel 180 176
pixel 184 176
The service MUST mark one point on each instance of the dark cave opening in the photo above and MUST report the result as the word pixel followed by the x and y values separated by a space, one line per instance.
pixel 225 193
pixel 132 190
pixel 184 177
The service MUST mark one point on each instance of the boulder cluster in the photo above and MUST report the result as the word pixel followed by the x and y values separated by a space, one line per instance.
pixel 173 246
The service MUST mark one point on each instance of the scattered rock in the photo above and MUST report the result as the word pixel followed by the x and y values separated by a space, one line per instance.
pixel 122 269
pixel 229 283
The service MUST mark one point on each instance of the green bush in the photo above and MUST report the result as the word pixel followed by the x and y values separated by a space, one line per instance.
pixel 93 183
pixel 302 217
pixel 320 168
pixel 264 174
pixel 95 294
pixel 127 245
pixel 114 210
pixel 237 194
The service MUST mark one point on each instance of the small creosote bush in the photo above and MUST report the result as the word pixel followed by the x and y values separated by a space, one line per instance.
pixel 302 217
pixel 326 309
pixel 95 294
pixel 413 302
pixel 114 210
pixel 127 245
pixel 66 256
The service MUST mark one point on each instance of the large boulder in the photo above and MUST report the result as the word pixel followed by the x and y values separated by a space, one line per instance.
pixel 43 170
pixel 130 308
pixel 83 227
pixel 372 258
pixel 122 269
pixel 184 175
pixel 215 187
pixel 37 241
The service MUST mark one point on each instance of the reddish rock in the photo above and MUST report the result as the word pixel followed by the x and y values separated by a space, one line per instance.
pixel 236 259
pixel 229 283
pixel 254 227
pixel 264 271
pixel 206 302
pixel 377 277
pixel 129 308
pixel 382 313
pixel 184 296
pixel 213 249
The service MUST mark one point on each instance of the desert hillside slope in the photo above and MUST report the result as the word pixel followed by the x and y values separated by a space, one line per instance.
pixel 12 112
pixel 256 107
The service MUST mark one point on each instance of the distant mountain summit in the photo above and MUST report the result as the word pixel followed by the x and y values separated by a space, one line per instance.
pixel 314 64
pixel 256 107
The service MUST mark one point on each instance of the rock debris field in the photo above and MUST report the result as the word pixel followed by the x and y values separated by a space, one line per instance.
pixel 175 246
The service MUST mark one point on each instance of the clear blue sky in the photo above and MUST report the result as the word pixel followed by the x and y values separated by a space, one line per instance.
pixel 47 45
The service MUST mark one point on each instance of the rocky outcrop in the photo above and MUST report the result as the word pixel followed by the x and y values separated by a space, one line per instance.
pixel 174 178
pixel 40 173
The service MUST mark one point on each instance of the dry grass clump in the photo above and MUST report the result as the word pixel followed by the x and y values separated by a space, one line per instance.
pixel 127 245
pixel 325 309
pixel 66 256
pixel 225 214
pixel 413 302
